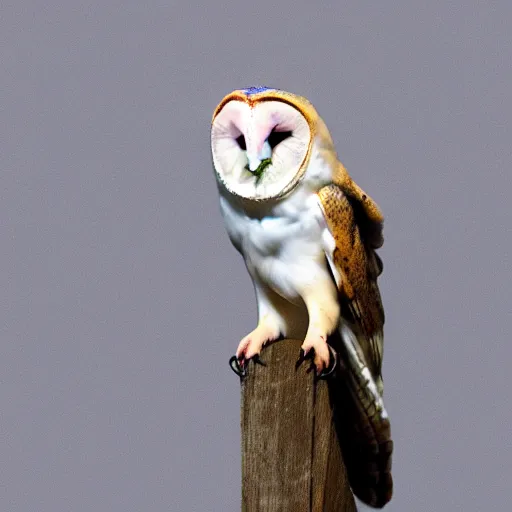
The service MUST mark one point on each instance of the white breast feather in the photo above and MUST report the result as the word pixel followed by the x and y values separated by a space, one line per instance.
pixel 284 243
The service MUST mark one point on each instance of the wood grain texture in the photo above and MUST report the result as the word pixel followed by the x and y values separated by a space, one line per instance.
pixel 291 459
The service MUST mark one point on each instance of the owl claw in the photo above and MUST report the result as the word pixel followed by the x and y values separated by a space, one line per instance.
pixel 306 355
pixel 316 344
pixel 302 357
pixel 257 360
pixel 239 364
pixel 327 371
pixel 333 362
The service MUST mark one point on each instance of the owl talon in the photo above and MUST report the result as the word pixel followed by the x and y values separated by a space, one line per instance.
pixel 327 371
pixel 239 364
pixel 257 360
pixel 333 362
pixel 302 357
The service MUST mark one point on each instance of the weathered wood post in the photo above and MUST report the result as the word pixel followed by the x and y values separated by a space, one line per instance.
pixel 291 459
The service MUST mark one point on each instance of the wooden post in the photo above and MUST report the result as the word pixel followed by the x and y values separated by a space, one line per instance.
pixel 291 458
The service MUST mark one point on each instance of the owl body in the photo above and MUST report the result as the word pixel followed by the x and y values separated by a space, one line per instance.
pixel 283 244
pixel 308 235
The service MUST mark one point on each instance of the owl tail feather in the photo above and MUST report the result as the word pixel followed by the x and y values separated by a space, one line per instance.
pixel 362 423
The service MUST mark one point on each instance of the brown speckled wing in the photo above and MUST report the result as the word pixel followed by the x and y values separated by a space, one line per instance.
pixel 358 267
pixel 370 217
pixel 363 424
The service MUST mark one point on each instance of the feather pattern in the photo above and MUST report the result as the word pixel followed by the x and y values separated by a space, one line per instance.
pixel 366 442
pixel 355 262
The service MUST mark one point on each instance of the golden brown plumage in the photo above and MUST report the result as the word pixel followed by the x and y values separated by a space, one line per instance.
pixel 355 222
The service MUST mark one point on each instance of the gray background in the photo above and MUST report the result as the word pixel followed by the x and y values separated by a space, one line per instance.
pixel 121 297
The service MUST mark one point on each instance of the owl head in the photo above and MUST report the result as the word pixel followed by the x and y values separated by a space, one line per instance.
pixel 262 141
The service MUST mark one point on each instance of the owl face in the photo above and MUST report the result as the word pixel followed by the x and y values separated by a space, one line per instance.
pixel 261 141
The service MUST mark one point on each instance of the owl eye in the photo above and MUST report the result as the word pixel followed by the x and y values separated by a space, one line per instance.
pixel 276 137
pixel 240 140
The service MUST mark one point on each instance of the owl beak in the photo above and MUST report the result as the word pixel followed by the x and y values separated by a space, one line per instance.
pixel 254 162
pixel 256 159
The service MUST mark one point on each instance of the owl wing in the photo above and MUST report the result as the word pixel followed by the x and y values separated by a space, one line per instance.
pixel 356 266
pixel 355 226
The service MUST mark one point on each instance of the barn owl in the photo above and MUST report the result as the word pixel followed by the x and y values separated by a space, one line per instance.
pixel 308 234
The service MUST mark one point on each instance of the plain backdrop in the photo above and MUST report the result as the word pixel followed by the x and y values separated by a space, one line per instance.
pixel 122 298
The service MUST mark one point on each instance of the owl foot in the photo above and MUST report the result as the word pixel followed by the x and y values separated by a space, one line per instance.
pixel 252 344
pixel 317 345
pixel 250 347
pixel 329 369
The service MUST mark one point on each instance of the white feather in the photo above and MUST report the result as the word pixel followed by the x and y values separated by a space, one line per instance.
pixel 283 241
pixel 351 344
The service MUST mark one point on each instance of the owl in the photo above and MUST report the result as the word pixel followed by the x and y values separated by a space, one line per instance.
pixel 308 235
